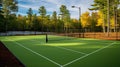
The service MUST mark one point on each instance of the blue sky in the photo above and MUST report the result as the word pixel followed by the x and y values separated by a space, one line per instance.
pixel 54 5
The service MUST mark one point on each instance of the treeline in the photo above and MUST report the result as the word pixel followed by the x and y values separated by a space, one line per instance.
pixel 109 14
pixel 58 22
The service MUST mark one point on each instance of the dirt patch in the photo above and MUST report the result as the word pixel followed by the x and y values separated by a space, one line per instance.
pixel 7 59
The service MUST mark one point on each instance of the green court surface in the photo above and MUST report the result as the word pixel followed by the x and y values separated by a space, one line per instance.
pixel 62 51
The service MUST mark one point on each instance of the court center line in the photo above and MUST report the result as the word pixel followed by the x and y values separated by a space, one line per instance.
pixel 88 54
pixel 35 52
pixel 70 50
pixel 64 48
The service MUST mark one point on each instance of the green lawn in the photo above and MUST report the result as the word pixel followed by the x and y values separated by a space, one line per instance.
pixel 60 51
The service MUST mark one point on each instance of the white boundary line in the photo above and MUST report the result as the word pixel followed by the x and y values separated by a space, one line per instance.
pixel 35 52
pixel 70 50
pixel 56 46
pixel 87 54
pixel 65 48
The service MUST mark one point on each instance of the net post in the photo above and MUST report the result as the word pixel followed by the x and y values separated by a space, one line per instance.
pixel 46 38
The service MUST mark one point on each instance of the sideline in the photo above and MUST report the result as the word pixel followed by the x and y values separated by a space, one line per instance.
pixel 35 52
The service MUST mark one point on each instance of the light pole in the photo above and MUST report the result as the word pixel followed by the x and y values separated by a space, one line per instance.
pixel 79 12
pixel 79 8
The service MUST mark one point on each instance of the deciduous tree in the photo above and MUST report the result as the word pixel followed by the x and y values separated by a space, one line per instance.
pixel 85 18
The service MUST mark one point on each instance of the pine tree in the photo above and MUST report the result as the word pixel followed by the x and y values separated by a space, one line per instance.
pixel 30 14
